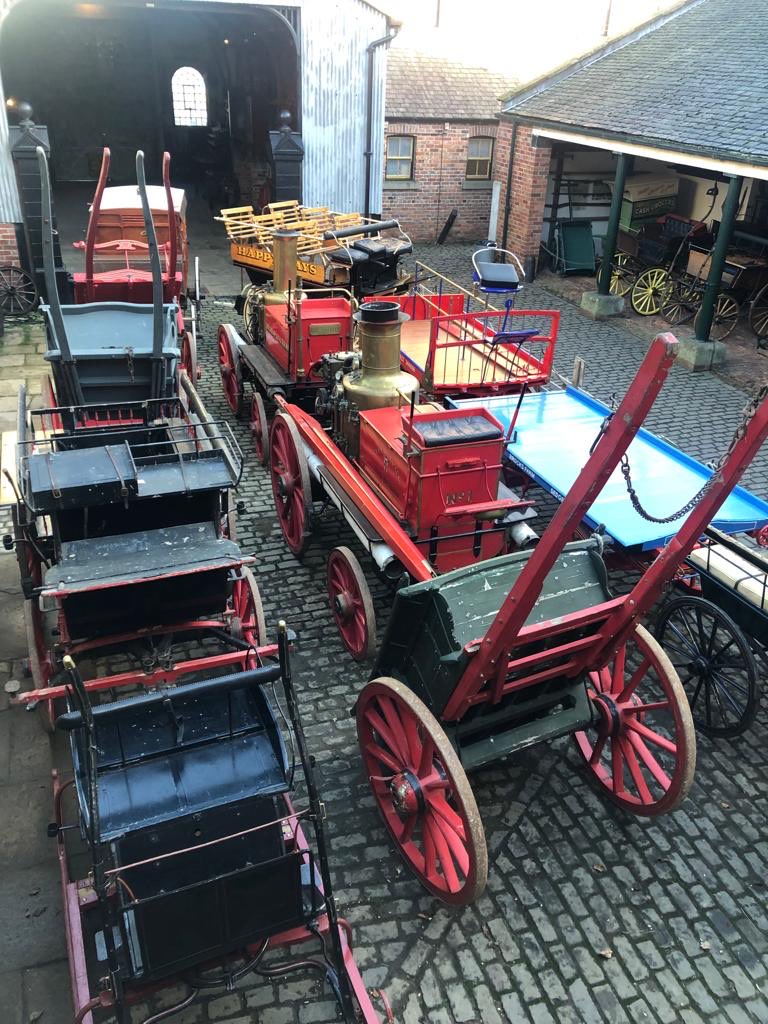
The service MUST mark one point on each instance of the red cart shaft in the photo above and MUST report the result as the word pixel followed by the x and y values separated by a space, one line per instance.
pixel 491 658
pixel 361 495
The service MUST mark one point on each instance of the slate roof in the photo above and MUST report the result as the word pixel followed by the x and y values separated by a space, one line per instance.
pixel 697 83
pixel 420 87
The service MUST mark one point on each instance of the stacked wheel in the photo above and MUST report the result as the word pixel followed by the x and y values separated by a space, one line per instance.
pixel 351 603
pixel 18 291
pixel 650 291
pixel 641 746
pixel 247 612
pixel 229 366
pixel 291 485
pixel 715 663
pixel 422 792
pixel 259 428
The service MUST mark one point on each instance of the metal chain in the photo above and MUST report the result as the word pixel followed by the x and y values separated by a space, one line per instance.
pixel 746 418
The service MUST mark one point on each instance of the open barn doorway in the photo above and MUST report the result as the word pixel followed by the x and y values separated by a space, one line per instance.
pixel 206 82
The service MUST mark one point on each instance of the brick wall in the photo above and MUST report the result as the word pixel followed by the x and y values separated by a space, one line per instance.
pixel 440 157
pixel 9 252
pixel 530 174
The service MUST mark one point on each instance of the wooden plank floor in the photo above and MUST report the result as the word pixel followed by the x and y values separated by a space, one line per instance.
pixel 473 363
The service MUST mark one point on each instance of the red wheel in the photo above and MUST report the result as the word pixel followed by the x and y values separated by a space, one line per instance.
pixel 422 791
pixel 259 428
pixel 290 483
pixel 247 622
pixel 642 747
pixel 351 604
pixel 189 356
pixel 229 364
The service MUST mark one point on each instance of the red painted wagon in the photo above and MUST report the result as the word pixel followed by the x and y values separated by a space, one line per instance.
pixel 118 243
pixel 504 652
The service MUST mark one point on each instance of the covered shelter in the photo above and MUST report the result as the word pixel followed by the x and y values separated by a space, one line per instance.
pixel 683 98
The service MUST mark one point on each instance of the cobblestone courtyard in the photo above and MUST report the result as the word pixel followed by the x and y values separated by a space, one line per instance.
pixel 589 915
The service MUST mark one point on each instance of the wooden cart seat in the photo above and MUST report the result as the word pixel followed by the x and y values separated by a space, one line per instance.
pixel 433 622
pixel 737 572
pixel 181 752
pixel 383 247
pixel 347 256
pixel 99 563
pixel 100 329
pixel 77 478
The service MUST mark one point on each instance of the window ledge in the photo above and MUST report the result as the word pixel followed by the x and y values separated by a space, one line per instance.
pixel 407 184
pixel 484 185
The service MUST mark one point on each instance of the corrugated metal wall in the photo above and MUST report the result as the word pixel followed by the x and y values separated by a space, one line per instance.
pixel 335 34
pixel 10 212
pixel 334 38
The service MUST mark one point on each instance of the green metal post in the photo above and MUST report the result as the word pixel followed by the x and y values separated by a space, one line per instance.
pixel 712 287
pixel 609 242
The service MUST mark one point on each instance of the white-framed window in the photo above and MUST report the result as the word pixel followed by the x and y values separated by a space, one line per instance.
pixel 190 101
pixel 399 158
pixel 479 159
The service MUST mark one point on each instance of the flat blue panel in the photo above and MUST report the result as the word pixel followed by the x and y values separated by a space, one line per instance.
pixel 555 430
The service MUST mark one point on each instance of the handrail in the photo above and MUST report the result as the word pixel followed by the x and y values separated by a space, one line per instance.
pixel 158 363
pixel 90 237
pixel 172 238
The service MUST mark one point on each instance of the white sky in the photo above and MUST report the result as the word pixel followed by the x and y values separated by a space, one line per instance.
pixel 519 38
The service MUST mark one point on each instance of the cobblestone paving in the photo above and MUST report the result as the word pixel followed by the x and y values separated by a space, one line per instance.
pixel 590 915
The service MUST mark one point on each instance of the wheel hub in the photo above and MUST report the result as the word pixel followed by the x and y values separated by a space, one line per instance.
pixel 609 722
pixel 342 606
pixel 284 486
pixel 406 793
pixel 700 665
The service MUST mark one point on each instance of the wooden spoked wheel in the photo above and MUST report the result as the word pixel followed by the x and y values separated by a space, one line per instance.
pixel 351 603
pixel 641 746
pixel 18 291
pixel 247 621
pixel 649 292
pixel 715 663
pixel 623 274
pixel 291 485
pixel 681 303
pixel 725 318
pixel 229 365
pixel 422 791
pixel 251 315
pixel 758 314
pixel 189 356
pixel 259 428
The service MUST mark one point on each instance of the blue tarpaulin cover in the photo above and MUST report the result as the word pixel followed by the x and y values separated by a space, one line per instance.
pixel 554 432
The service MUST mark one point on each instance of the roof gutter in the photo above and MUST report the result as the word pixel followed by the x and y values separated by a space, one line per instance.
pixel 725 165
pixel 369 51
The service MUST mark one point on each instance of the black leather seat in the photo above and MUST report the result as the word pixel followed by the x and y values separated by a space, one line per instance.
pixel 457 430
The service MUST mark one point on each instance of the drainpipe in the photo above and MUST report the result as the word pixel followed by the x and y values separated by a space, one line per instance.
pixel 384 41
pixel 714 279
pixel 508 200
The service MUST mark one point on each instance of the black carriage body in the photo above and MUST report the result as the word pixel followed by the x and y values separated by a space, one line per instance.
pixel 433 622
pixel 111 346
pixel 134 494
pixel 191 788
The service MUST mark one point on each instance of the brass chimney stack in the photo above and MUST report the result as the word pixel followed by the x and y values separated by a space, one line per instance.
pixel 284 271
pixel 379 383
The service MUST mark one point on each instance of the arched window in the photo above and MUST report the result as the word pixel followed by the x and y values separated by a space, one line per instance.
pixel 190 103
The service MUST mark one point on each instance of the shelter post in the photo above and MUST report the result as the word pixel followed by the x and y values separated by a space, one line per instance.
pixel 714 279
pixel 612 233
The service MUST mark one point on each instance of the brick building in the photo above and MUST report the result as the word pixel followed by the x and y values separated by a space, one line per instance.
pixel 440 128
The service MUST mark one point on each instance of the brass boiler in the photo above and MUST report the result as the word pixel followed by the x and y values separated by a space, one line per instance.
pixel 379 383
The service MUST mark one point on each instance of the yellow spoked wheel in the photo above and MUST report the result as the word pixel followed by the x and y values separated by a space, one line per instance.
pixel 650 291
